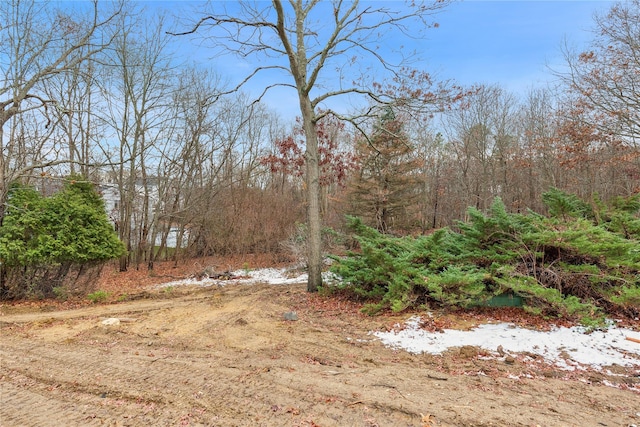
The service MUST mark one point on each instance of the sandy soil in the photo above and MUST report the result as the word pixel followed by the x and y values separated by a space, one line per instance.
pixel 225 356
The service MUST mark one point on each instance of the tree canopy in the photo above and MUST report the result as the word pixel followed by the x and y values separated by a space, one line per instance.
pixel 313 46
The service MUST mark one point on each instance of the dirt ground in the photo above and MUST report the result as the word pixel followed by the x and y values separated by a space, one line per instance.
pixel 225 356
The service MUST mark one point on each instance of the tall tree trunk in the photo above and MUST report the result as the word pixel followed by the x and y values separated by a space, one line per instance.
pixel 313 196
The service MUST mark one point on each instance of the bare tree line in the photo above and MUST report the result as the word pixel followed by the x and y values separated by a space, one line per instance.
pixel 99 92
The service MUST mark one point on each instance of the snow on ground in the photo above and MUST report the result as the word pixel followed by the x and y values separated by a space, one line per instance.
pixel 567 348
pixel 271 276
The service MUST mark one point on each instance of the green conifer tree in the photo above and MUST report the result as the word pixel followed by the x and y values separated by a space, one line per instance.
pixel 385 191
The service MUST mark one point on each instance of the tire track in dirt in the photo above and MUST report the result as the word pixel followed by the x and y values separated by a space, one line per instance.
pixel 225 357
pixel 18 409
pixel 99 311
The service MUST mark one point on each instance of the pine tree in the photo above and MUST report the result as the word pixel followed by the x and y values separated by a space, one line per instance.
pixel 386 189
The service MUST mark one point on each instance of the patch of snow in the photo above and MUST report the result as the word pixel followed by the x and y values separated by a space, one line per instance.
pixel 614 385
pixel 567 348
pixel 271 276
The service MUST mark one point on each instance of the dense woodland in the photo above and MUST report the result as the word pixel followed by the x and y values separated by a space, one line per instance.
pixel 100 93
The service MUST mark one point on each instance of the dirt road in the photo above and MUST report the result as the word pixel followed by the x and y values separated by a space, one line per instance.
pixel 226 357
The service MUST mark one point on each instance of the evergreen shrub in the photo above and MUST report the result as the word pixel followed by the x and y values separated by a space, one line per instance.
pixel 48 242
pixel 581 262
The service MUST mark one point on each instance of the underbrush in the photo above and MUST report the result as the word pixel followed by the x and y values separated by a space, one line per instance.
pixel 582 262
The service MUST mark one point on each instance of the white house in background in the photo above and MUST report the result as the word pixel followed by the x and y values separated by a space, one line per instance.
pixel 111 197
pixel 48 185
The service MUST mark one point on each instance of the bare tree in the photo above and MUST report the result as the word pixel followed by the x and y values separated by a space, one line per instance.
pixel 187 162
pixel 431 150
pixel 323 50
pixel 138 81
pixel 241 131
pixel 538 158
pixel 75 93
pixel 37 43
pixel 606 80
pixel 483 130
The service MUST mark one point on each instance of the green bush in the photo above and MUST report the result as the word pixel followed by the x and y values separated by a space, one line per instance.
pixel 61 293
pixel 573 264
pixel 98 296
pixel 42 239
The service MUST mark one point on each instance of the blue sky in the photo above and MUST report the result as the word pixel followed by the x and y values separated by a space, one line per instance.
pixel 511 43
